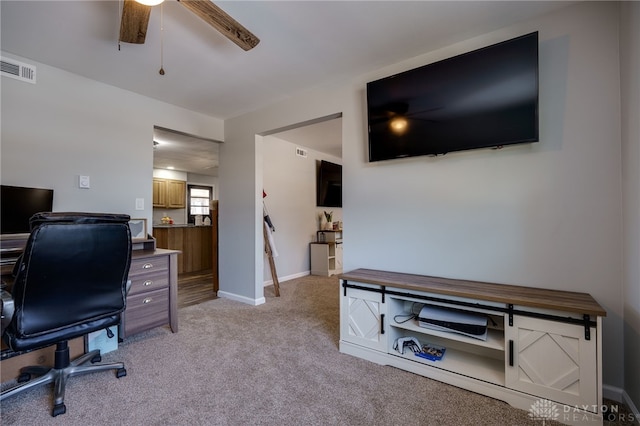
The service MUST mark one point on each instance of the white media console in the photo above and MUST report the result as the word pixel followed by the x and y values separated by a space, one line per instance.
pixel 542 346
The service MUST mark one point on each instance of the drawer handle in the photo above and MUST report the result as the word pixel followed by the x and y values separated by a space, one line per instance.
pixel 148 283
pixel 147 300
pixel 147 266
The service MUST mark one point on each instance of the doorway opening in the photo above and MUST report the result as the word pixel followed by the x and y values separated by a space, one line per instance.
pixel 290 159
pixel 185 209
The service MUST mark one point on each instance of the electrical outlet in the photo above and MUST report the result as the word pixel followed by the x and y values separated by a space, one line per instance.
pixel 84 182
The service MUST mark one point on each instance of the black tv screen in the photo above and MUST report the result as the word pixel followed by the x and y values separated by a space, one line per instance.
pixel 484 98
pixel 18 204
pixel 329 191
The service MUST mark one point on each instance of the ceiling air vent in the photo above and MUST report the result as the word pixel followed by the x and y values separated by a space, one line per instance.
pixel 300 152
pixel 18 70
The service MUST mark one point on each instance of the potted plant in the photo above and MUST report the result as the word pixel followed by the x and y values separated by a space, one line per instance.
pixel 329 217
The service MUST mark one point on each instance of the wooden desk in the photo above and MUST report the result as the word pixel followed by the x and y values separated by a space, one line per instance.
pixel 11 246
pixel 153 298
pixel 152 302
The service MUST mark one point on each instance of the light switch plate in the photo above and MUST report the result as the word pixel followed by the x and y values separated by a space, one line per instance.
pixel 139 203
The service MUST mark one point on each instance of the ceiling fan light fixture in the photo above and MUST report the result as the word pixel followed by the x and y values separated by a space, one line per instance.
pixel 399 124
pixel 150 2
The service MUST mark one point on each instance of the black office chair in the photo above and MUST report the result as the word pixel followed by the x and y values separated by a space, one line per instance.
pixel 71 280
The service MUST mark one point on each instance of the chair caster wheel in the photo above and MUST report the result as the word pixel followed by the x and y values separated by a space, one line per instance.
pixel 58 409
pixel 97 358
pixel 121 372
pixel 23 377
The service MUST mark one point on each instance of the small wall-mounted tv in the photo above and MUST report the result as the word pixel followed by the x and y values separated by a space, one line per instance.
pixel 18 204
pixel 480 99
pixel 329 184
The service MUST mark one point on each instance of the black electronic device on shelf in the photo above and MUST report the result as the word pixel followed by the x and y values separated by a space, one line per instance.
pixel 442 318
pixel 329 185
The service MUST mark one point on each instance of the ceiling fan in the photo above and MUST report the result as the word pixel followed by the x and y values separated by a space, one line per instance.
pixel 135 19
pixel 397 114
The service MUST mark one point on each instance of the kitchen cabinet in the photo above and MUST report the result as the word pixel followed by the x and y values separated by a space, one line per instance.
pixel 169 193
pixel 195 244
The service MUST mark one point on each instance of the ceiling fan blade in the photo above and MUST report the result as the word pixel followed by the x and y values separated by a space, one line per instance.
pixel 222 22
pixel 134 23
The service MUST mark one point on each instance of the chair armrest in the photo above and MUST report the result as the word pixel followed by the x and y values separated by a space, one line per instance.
pixel 6 310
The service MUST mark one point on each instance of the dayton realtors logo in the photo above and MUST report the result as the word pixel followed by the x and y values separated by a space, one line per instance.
pixel 544 410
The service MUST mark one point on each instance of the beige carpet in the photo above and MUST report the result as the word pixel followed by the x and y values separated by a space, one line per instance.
pixel 274 364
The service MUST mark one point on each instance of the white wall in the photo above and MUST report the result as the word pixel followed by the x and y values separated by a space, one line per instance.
pixel 205 180
pixel 543 215
pixel 290 184
pixel 240 178
pixel 630 53
pixel 67 125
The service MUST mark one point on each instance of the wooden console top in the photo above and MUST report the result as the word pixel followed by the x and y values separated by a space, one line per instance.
pixel 569 301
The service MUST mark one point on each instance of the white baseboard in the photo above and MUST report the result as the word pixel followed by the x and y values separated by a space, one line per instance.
pixel 288 277
pixel 612 392
pixel 632 406
pixel 243 299
pixel 261 300
pixel 620 395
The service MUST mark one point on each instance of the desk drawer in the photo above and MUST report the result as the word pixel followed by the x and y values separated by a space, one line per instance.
pixel 146 310
pixel 148 282
pixel 148 265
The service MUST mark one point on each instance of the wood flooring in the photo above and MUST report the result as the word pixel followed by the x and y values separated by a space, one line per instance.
pixel 195 287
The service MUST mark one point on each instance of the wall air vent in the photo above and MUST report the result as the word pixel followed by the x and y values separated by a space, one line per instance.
pixel 18 70
pixel 300 152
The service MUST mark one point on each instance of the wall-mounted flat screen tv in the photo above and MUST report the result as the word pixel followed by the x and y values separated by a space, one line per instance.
pixel 329 180
pixel 18 204
pixel 480 99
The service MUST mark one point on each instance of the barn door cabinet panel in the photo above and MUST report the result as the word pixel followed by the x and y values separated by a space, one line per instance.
pixel 552 359
pixel 537 344
pixel 362 319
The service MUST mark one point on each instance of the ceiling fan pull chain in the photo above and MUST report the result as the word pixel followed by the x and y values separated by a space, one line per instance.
pixel 161 39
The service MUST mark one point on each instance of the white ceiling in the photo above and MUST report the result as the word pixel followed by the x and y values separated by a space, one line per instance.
pixel 303 44
pixel 182 152
pixel 188 153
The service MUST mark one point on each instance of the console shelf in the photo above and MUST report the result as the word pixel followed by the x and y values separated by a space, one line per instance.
pixel 525 351
pixel 495 336
pixel 490 370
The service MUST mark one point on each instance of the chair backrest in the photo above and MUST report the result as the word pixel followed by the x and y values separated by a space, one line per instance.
pixel 74 271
